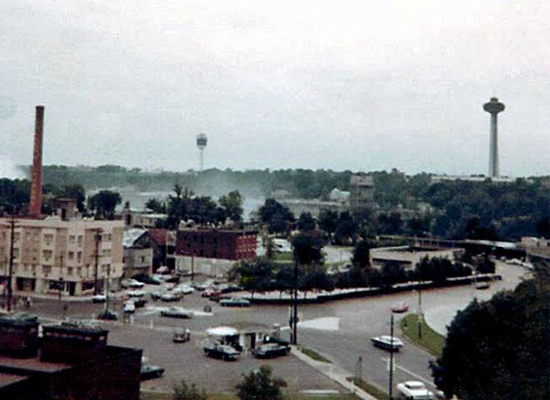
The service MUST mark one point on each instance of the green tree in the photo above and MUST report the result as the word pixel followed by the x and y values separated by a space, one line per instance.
pixel 183 391
pixel 306 222
pixel 104 203
pixel 276 216
pixel 328 222
pixel 260 385
pixel 361 253
pixel 156 206
pixel 233 205
pixel 307 248
pixel 499 349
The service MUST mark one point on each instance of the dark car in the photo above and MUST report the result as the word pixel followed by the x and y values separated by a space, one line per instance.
pixel 271 350
pixel 234 302
pixel 108 315
pixel 140 302
pixel 223 351
pixel 181 335
pixel 144 278
pixel 151 371
pixel 387 342
pixel 156 295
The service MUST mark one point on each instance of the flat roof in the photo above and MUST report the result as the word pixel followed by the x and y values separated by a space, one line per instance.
pixel 8 379
pixel 32 364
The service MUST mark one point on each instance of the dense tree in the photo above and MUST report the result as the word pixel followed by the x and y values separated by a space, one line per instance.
pixel 500 349
pixel 361 253
pixel 156 206
pixel 260 385
pixel 104 203
pixel 233 205
pixel 307 248
pixel 306 222
pixel 276 216
pixel 347 229
pixel 328 222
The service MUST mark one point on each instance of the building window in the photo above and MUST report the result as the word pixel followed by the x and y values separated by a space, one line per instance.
pixel 80 239
pixel 16 236
pixel 79 271
pixel 70 270
pixel 79 257
pixel 107 237
pixel 46 269
pixel 71 239
pixel 48 238
pixel 71 255
pixel 47 254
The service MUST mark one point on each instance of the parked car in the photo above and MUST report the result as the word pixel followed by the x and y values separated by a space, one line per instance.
pixel 144 278
pixel 210 293
pixel 129 307
pixel 400 307
pixel 231 288
pixel 482 285
pixel 150 371
pixel 177 312
pixel 234 302
pixel 140 302
pixel 131 283
pixel 136 293
pixel 185 289
pixel 271 350
pixel 99 298
pixel 172 279
pixel 156 295
pixel 181 335
pixel 414 390
pixel 171 296
pixel 108 315
pixel 223 351
pixel 385 342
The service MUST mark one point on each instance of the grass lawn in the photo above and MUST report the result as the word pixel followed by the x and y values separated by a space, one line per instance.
pixel 432 341
pixel 314 355
pixel 367 387
pixel 283 257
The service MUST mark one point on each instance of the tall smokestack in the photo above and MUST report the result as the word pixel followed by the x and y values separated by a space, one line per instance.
pixel 35 208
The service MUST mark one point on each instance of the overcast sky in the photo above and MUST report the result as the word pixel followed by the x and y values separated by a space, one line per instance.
pixel 286 84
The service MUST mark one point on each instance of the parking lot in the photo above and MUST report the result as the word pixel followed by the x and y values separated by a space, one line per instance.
pixel 340 330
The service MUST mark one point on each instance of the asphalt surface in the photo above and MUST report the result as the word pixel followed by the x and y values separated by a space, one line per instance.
pixel 339 330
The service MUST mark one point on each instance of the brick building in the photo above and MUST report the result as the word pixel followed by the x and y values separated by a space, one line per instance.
pixel 74 362
pixel 213 251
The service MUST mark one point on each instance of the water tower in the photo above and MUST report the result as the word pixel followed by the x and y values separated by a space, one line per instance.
pixel 202 140
pixel 493 107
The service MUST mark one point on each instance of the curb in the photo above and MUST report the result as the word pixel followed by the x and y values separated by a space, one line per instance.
pixel 333 372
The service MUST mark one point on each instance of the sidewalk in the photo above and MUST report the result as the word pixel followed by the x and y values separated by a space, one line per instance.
pixel 334 373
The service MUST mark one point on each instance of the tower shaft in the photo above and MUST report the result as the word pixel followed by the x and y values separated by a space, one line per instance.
pixel 493 156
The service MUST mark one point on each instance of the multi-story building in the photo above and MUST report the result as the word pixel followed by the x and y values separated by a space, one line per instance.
pixel 361 194
pixel 50 253
pixel 138 253
pixel 213 251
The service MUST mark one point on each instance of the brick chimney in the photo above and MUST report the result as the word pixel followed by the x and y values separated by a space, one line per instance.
pixel 35 208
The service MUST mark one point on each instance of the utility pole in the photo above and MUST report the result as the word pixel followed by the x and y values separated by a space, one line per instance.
pixel 12 256
pixel 391 359
pixel 107 288
pixel 419 312
pixel 295 313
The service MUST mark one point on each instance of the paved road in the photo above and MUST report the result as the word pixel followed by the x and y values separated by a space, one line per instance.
pixel 341 330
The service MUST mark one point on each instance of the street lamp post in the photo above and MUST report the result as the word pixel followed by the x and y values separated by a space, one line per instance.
pixel 295 311
pixel 390 388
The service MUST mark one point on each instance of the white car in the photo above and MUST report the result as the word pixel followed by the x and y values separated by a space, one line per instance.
pixel 386 342
pixel 414 390
pixel 129 307
pixel 136 293
pixel 185 289
pixel 131 283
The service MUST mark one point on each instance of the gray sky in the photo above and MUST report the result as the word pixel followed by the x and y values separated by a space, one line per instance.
pixel 287 84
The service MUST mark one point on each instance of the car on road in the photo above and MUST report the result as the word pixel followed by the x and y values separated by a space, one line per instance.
pixel 234 302
pixel 387 342
pixel 150 371
pixel 181 335
pixel 99 298
pixel 211 293
pixel 271 350
pixel 176 312
pixel 129 307
pixel 223 351
pixel 400 307
pixel 139 302
pixel 414 390
pixel 131 283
